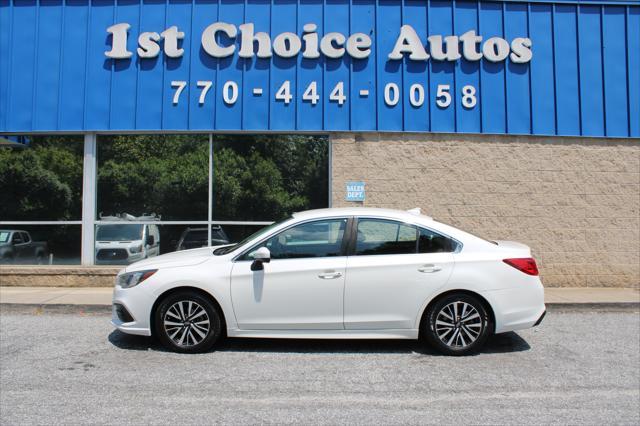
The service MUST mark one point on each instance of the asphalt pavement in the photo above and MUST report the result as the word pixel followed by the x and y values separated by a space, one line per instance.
pixel 66 365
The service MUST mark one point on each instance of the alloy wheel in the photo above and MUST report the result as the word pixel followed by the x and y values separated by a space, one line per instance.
pixel 186 323
pixel 458 325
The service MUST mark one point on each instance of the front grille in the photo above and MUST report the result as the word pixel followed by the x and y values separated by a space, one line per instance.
pixel 122 313
pixel 112 254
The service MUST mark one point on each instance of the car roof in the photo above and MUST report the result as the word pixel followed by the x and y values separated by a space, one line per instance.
pixel 362 211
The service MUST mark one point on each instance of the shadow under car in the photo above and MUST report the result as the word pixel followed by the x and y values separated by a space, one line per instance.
pixel 499 343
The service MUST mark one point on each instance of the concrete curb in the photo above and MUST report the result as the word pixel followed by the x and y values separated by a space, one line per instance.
pixel 593 306
pixel 38 309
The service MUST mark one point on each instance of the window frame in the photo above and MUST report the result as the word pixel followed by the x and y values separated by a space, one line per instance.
pixel 343 244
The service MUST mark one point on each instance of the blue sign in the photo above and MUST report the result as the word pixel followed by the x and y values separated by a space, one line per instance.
pixel 355 191
pixel 493 67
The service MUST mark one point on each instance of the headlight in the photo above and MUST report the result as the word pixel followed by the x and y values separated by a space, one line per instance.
pixel 136 249
pixel 132 279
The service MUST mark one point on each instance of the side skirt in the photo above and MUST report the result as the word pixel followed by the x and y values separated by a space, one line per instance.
pixel 325 334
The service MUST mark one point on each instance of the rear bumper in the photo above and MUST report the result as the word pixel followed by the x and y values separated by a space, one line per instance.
pixel 517 308
pixel 540 319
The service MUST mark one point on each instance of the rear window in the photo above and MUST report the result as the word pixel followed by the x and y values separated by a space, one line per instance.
pixel 432 242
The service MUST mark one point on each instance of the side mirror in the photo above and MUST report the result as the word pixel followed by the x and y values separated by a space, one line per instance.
pixel 17 241
pixel 260 257
pixel 150 240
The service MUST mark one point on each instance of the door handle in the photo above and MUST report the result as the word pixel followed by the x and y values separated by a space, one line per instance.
pixel 330 275
pixel 429 268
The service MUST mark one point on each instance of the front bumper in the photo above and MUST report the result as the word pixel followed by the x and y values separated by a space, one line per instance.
pixel 137 303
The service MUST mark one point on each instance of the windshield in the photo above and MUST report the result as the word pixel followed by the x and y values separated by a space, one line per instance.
pixel 4 236
pixel 229 249
pixel 119 232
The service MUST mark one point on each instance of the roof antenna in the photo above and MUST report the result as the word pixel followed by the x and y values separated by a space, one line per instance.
pixel 415 211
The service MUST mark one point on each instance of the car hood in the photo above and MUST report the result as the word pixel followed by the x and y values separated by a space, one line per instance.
pixel 172 260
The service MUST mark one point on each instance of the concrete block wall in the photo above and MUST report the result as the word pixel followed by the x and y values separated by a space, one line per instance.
pixel 575 201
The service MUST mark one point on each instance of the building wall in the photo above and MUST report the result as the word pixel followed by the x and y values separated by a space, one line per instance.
pixel 575 201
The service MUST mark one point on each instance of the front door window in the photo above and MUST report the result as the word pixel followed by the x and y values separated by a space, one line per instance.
pixel 321 238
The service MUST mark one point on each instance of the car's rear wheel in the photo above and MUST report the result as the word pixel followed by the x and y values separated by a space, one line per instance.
pixel 187 322
pixel 457 324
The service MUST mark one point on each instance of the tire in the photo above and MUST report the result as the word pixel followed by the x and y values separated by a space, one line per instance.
pixel 446 329
pixel 179 332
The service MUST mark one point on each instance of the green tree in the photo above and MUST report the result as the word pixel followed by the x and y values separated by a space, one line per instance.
pixel 256 177
pixel 42 181
pixel 250 188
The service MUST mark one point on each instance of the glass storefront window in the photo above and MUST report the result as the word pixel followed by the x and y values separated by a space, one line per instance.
pixel 166 176
pixel 152 192
pixel 40 244
pixel 125 243
pixel 266 178
pixel 41 178
pixel 122 243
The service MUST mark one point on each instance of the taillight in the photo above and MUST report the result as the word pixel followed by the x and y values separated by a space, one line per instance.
pixel 525 264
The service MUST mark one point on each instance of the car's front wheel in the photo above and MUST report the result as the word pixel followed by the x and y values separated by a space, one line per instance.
pixel 187 322
pixel 458 324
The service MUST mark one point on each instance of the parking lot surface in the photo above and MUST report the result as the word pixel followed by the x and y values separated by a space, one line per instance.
pixel 68 366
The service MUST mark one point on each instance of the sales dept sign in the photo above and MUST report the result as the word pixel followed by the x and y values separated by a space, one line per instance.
pixel 355 191
pixel 223 40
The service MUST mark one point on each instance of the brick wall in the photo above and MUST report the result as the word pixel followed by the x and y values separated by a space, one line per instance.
pixel 575 201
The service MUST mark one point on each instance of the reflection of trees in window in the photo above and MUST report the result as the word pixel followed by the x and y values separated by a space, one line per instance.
pixel 255 177
pixel 376 236
pixel 269 177
pixel 42 181
pixel 163 174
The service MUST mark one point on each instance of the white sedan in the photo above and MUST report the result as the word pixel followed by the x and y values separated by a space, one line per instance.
pixel 354 273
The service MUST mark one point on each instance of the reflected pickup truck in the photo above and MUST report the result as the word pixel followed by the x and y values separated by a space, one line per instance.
pixel 16 246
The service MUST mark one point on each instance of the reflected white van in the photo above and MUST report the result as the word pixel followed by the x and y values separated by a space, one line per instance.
pixel 122 243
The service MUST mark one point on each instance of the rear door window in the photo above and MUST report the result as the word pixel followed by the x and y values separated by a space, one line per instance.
pixel 381 236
